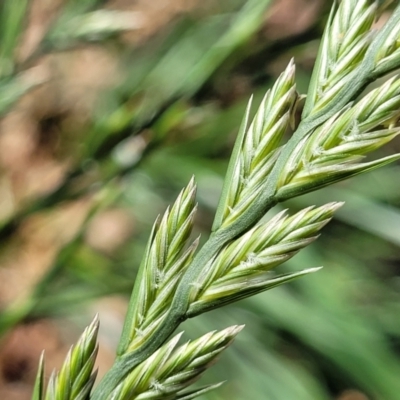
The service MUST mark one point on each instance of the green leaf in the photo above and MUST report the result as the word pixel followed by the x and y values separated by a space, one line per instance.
pixel 38 389
pixel 12 16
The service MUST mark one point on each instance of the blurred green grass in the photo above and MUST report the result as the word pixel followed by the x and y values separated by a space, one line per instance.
pixel 173 112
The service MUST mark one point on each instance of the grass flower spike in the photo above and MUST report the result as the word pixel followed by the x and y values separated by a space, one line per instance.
pixel 243 267
pixel 170 370
pixel 333 151
pixel 163 265
pixel 76 378
pixel 338 128
pixel 344 44
pixel 257 148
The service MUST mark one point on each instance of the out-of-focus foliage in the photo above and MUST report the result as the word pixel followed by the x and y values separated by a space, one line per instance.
pixel 166 104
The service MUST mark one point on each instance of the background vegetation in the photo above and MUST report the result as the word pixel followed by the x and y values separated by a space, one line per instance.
pixel 107 109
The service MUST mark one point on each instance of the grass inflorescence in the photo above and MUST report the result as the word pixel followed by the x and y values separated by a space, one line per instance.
pixel 337 129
